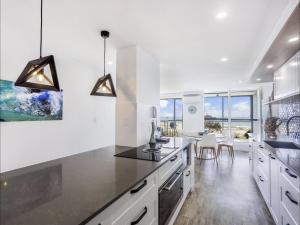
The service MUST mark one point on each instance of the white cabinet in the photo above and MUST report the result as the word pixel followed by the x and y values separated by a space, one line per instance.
pixel 139 204
pixel 290 195
pixel 287 78
pixel 142 211
pixel 275 189
pixel 169 167
pixel 279 186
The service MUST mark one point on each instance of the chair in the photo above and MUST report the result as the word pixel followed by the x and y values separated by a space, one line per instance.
pixel 192 136
pixel 209 142
pixel 228 144
pixel 173 129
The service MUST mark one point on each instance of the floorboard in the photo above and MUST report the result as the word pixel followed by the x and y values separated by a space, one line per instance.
pixel 224 195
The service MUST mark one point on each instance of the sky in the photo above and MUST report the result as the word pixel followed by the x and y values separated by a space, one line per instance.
pixel 240 107
pixel 167 109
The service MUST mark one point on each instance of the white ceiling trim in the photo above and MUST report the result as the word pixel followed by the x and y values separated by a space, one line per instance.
pixel 277 28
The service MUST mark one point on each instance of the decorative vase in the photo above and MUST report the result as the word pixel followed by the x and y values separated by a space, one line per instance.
pixel 271 125
pixel 152 141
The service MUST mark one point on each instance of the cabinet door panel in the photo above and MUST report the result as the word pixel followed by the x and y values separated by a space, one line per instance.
pixel 285 78
pixel 275 189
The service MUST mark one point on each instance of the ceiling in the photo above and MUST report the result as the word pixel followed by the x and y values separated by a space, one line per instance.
pixel 189 41
pixel 185 36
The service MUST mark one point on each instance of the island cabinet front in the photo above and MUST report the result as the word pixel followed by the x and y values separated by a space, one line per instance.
pixel 137 206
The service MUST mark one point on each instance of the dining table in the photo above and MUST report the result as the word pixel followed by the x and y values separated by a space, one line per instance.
pixel 196 139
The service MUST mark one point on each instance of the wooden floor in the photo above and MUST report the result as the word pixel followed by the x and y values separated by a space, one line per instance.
pixel 226 195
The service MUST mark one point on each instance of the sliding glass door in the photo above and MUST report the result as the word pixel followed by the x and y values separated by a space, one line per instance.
pixel 230 113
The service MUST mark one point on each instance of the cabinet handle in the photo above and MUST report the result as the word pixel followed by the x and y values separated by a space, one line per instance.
pixel 288 194
pixel 260 160
pixel 271 156
pixel 133 191
pixel 260 146
pixel 174 158
pixel 169 187
pixel 140 217
pixel 289 173
pixel 188 173
pixel 262 180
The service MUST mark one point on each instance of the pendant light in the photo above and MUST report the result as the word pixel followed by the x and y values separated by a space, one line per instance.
pixel 104 86
pixel 40 73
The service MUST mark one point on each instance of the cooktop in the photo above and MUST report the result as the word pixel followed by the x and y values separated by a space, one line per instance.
pixel 146 153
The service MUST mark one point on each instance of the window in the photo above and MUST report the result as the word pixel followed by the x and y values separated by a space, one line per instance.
pixel 216 113
pixel 229 115
pixel 171 116
pixel 241 116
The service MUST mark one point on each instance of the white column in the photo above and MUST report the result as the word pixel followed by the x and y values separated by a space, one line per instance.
pixel 138 89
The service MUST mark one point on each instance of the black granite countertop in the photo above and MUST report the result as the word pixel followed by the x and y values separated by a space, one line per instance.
pixel 71 190
pixel 289 157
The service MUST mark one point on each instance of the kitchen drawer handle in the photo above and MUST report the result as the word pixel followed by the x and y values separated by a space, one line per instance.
pixel 260 160
pixel 140 217
pixel 133 191
pixel 289 173
pixel 169 187
pixel 262 180
pixel 174 158
pixel 272 157
pixel 188 173
pixel 288 194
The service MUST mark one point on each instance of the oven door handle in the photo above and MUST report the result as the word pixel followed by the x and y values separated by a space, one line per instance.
pixel 169 187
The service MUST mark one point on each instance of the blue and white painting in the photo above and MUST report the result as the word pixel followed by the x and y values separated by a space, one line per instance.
pixel 23 104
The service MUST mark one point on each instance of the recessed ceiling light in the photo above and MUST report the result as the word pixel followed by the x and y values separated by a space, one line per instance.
pixel 293 64
pixel 270 66
pixel 221 15
pixel 293 39
pixel 224 59
pixel 109 62
pixel 258 79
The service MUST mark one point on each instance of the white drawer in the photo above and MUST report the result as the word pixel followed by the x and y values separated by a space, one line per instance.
pixel 141 212
pixel 290 198
pixel 263 162
pixel 290 176
pixel 264 185
pixel 286 218
pixel 127 200
pixel 169 167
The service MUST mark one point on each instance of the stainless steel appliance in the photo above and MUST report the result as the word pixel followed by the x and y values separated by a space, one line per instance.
pixel 169 196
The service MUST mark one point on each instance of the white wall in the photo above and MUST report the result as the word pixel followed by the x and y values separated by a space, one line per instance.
pixel 88 121
pixel 193 122
pixel 138 85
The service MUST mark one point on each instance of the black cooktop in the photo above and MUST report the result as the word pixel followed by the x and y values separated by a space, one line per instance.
pixel 145 153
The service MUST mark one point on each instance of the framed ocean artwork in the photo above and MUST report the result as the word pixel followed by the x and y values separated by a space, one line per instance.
pixel 24 104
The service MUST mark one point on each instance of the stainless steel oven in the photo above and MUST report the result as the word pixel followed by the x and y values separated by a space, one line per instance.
pixel 169 196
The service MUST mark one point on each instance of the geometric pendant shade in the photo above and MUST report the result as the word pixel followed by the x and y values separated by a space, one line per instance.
pixel 104 87
pixel 39 74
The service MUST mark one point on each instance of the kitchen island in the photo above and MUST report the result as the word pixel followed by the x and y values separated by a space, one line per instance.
pixel 75 189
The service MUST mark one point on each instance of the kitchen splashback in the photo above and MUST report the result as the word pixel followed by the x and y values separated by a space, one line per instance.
pixel 286 109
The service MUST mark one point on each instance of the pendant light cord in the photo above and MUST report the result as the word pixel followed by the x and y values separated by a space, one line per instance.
pixel 41 29
pixel 104 54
